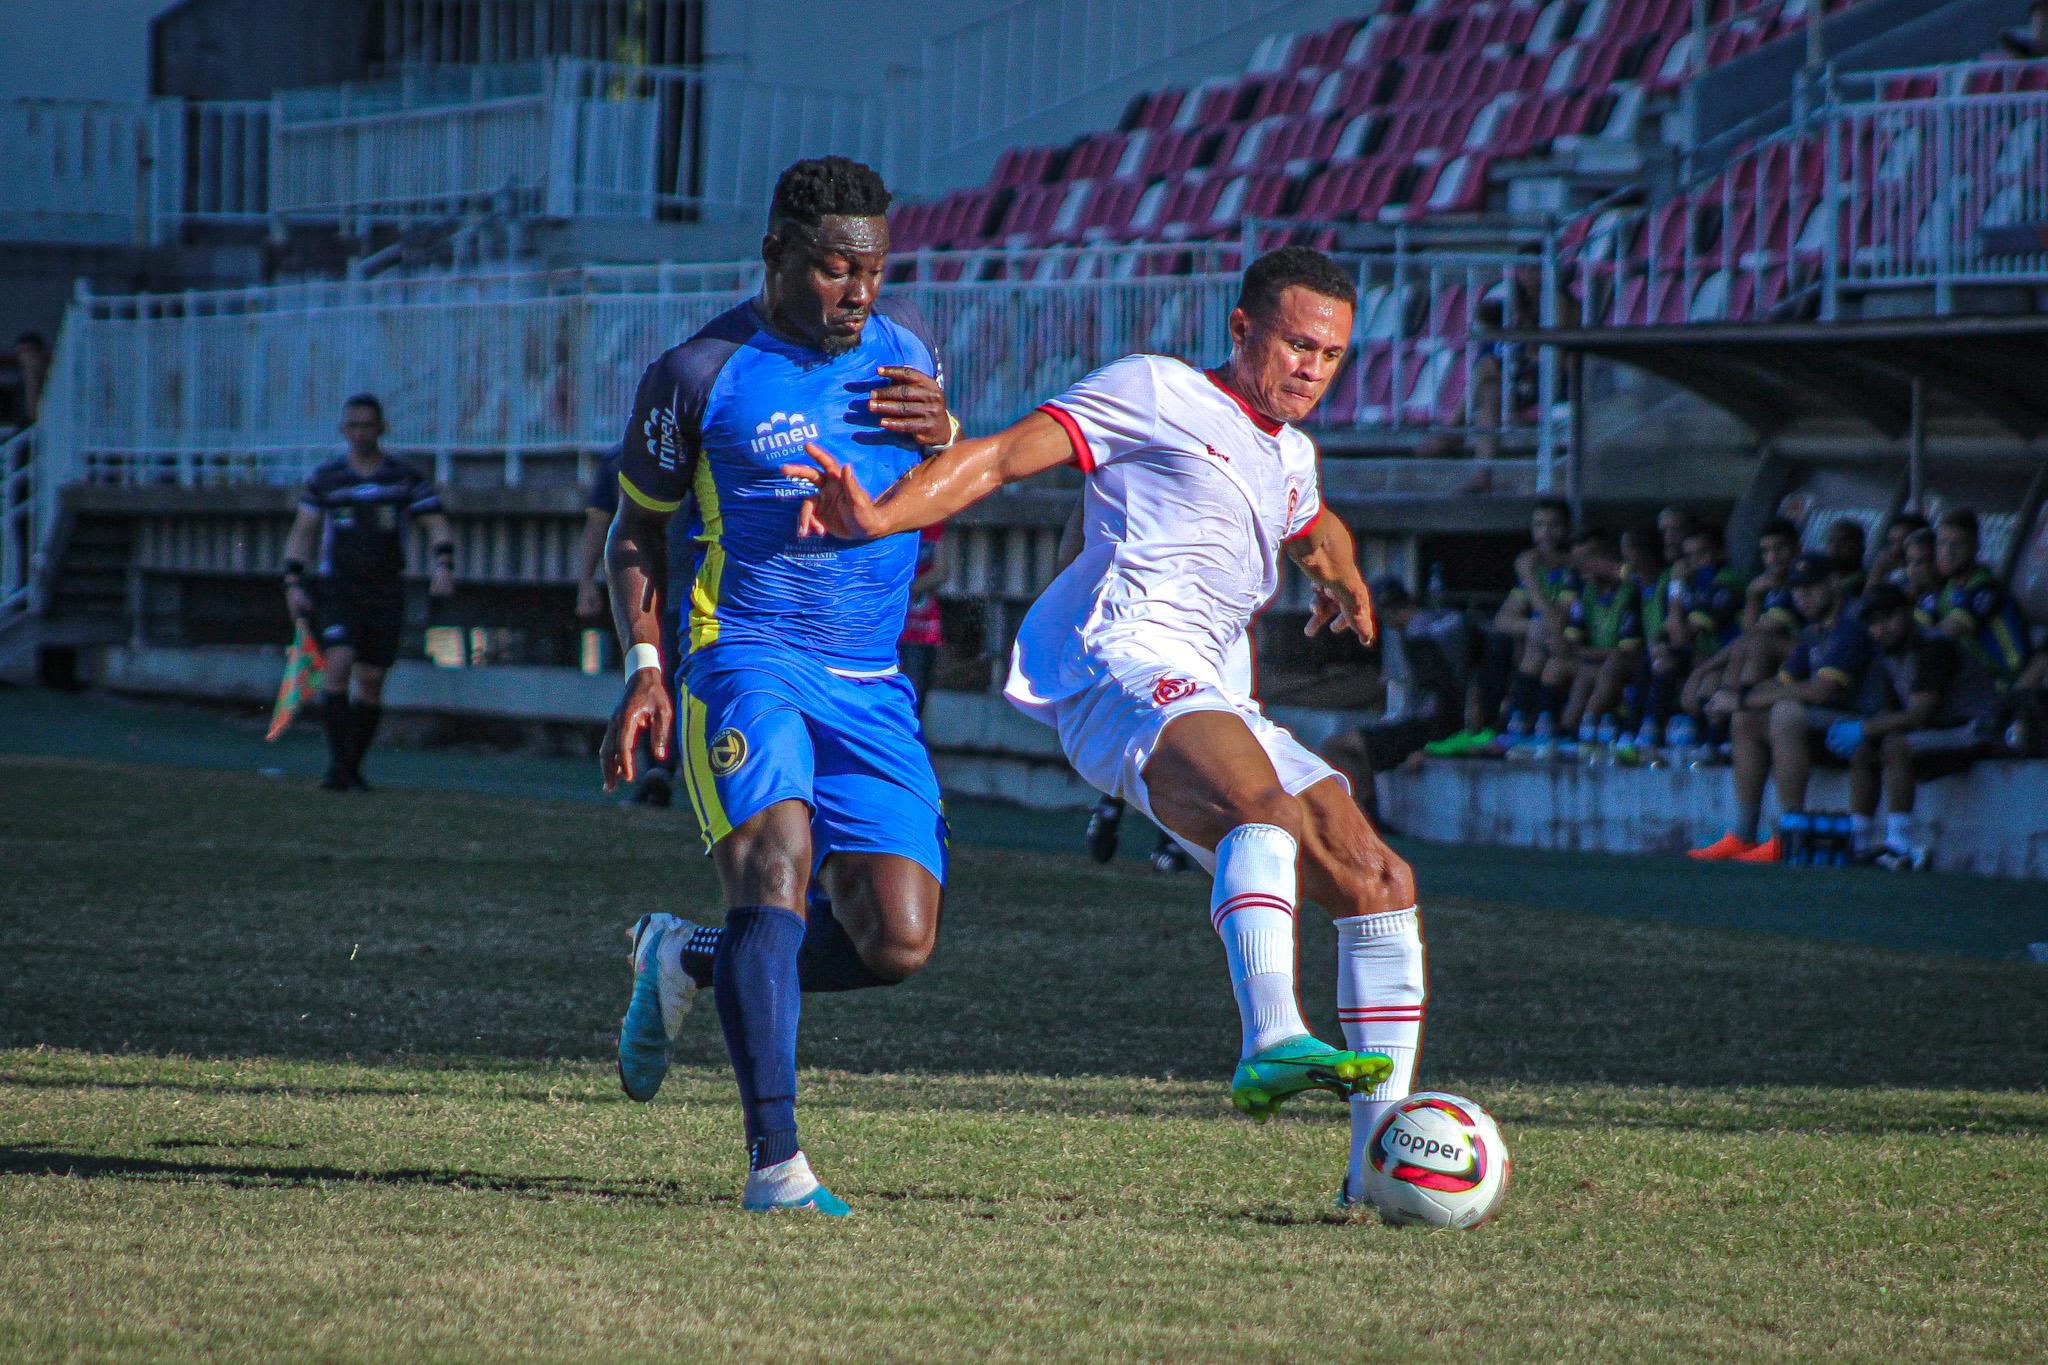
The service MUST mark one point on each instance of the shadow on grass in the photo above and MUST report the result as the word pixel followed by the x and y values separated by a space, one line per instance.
pixel 51 1161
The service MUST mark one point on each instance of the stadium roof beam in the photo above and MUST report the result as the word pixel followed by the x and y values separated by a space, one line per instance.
pixel 1772 375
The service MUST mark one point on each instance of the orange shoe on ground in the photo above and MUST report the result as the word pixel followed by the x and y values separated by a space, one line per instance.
pixel 1725 849
pixel 1765 852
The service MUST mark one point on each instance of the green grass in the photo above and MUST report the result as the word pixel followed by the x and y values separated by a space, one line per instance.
pixel 285 1075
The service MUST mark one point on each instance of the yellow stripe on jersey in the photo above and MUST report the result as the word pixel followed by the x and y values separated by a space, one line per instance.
pixel 711 817
pixel 711 573
pixel 652 504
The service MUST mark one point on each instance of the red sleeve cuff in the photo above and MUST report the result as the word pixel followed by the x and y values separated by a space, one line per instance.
pixel 1083 456
pixel 1310 526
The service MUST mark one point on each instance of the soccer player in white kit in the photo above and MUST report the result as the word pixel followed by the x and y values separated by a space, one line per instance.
pixel 1197 483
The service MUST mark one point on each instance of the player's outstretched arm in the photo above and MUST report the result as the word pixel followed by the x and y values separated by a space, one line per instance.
pixel 1327 554
pixel 956 478
pixel 636 564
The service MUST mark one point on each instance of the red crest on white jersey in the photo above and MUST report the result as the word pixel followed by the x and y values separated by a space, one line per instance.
pixel 1293 500
pixel 1171 690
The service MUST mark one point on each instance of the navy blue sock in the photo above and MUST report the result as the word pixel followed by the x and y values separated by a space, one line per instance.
pixel 698 951
pixel 828 960
pixel 754 980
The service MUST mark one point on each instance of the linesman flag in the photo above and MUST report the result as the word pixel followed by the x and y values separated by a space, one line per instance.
pixel 305 671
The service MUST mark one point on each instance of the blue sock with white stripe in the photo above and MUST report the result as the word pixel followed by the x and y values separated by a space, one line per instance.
pixel 754 980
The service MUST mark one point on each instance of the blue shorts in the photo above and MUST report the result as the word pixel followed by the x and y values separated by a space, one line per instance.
pixel 760 726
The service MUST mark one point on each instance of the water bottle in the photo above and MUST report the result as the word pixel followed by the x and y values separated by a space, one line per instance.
pixel 1841 840
pixel 1544 746
pixel 1795 838
pixel 1604 737
pixel 1435 595
pixel 1681 734
pixel 1589 748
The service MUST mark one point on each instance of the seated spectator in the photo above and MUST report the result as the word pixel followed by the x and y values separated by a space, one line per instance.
pixel 1422 657
pixel 1527 632
pixel 1770 620
pixel 1844 546
pixel 1707 619
pixel 1780 726
pixel 1603 638
pixel 1659 581
pixel 1919 579
pixel 1890 564
pixel 1974 608
pixel 1938 714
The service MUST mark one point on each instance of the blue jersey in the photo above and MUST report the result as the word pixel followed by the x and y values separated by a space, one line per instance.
pixel 717 417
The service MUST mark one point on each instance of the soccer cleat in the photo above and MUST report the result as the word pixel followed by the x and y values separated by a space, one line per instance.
pixel 1904 860
pixel 1768 851
pixel 1349 1204
pixel 335 780
pixel 662 992
pixel 1303 1062
pixel 1724 849
pixel 819 1200
pixel 1169 856
pixel 1103 822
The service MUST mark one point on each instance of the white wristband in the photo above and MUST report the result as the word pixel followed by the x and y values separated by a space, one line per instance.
pixel 642 656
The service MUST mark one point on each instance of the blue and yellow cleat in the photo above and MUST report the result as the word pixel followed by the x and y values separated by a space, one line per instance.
pixel 1303 1062
pixel 662 992
pixel 819 1200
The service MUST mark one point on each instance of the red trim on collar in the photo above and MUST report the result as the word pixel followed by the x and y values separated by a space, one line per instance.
pixel 1265 424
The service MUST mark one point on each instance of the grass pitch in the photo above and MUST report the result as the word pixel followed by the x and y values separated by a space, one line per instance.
pixel 290 1075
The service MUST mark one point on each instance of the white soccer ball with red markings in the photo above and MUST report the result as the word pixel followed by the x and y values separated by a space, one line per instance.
pixel 1437 1159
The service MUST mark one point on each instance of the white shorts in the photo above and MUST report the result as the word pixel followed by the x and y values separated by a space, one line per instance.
pixel 1110 730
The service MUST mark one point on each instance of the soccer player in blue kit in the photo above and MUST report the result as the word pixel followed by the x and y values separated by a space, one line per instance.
pixel 802 755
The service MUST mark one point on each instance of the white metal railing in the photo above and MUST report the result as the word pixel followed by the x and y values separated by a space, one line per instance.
pixel 244 385
pixel 20 526
pixel 72 170
pixel 1033 56
pixel 1930 180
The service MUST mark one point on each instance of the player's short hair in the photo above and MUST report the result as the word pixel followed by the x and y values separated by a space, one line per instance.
pixel 1962 519
pixel 1912 521
pixel 1884 600
pixel 1557 505
pixel 1924 538
pixel 364 400
pixel 1781 528
pixel 1707 531
pixel 1597 539
pixel 1278 271
pixel 34 339
pixel 822 187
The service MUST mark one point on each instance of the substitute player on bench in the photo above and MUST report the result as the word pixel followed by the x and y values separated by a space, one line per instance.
pixel 802 755
pixel 1197 485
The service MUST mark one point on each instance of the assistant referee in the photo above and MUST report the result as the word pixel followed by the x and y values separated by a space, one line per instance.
pixel 358 507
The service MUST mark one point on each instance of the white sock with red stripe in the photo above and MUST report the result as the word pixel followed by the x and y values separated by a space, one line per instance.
pixel 1380 994
pixel 1252 907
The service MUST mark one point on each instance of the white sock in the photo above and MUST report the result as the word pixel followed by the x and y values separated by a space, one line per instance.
pixel 1861 827
pixel 1380 995
pixel 1252 907
pixel 1898 831
pixel 782 1182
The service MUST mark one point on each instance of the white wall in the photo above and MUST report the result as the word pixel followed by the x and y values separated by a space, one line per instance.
pixel 79 49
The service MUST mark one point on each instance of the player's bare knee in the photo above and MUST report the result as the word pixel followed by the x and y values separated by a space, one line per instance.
pixel 1788 719
pixel 1272 806
pixel 899 954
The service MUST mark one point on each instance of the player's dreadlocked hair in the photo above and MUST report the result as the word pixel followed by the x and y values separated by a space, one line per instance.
pixel 1276 271
pixel 826 185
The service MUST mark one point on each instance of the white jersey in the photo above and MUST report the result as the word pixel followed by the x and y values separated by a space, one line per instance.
pixel 1190 498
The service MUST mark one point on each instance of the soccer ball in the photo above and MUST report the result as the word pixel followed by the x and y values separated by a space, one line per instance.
pixel 1437 1159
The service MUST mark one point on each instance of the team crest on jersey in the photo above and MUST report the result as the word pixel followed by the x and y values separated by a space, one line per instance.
pixel 659 431
pixel 728 749
pixel 1172 690
pixel 782 431
pixel 1293 500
